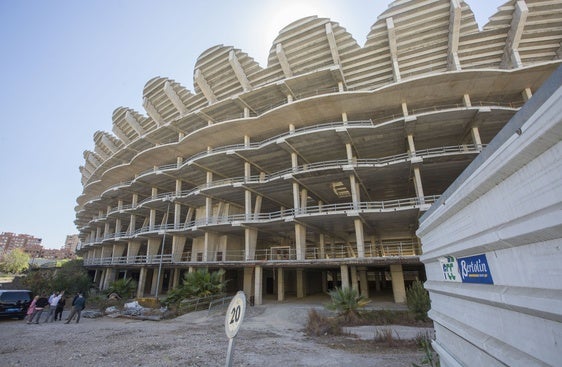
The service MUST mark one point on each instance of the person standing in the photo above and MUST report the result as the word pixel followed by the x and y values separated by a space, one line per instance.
pixel 77 306
pixel 31 309
pixel 53 302
pixel 60 308
pixel 41 303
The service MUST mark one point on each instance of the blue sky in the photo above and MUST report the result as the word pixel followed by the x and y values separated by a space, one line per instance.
pixel 66 65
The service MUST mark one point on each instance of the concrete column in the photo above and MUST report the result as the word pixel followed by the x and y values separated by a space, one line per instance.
pixel 349 153
pixel 250 241
pixel 527 94
pixel 359 238
pixel 344 276
pixel 411 145
pixel 206 239
pixel 322 245
pixel 176 278
pixel 418 184
pixel 133 248
pixel 398 287
pixel 258 286
pixel 178 244
pixel 354 280
pixel 102 279
pixel 300 283
pixel 118 250
pixel 296 197
pixel 475 133
pixel 118 227
pixel 363 282
pixel 324 282
pixel 142 281
pixel 153 247
pixel 155 282
pixel 300 241
pixel 280 284
pixel 248 278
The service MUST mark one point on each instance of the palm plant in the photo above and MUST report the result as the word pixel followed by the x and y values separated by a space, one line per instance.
pixel 124 287
pixel 347 302
pixel 200 283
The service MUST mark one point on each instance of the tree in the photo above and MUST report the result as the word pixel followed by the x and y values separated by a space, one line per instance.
pixel 347 302
pixel 15 261
pixel 72 277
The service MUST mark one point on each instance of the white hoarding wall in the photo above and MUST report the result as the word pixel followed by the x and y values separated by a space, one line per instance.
pixel 493 246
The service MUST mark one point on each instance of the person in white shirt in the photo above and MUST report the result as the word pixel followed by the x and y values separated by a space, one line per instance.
pixel 53 301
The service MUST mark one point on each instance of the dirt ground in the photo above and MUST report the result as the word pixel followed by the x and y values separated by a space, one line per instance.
pixel 270 335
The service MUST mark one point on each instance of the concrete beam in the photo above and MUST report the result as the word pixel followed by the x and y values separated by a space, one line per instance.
pixel 205 87
pixel 283 61
pixel 239 71
pixel 393 48
pixel 333 45
pixel 132 121
pixel 152 112
pixel 510 53
pixel 455 15
pixel 173 96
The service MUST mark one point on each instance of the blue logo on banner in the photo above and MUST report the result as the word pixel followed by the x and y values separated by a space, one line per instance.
pixel 475 269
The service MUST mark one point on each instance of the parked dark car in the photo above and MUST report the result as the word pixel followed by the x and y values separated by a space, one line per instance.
pixel 14 303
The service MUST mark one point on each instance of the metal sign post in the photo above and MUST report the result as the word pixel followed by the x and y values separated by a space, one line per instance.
pixel 232 321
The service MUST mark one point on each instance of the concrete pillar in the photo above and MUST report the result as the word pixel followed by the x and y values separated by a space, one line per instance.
pixel 344 276
pixel 322 245
pixel 418 184
pixel 133 248
pixel 475 133
pixel 280 284
pixel 354 280
pixel 155 282
pixel 178 244
pixel 153 248
pixel 527 94
pixel 359 238
pixel 176 278
pixel 118 250
pixel 250 241
pixel 300 283
pixel 248 278
pixel 363 282
pixel 300 241
pixel 258 286
pixel 142 281
pixel 398 287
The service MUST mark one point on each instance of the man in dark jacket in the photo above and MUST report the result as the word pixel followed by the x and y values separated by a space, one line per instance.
pixel 41 303
pixel 78 305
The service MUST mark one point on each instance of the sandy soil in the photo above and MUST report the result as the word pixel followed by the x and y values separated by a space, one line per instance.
pixel 270 335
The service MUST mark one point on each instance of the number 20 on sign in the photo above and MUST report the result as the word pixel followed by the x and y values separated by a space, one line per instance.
pixel 233 319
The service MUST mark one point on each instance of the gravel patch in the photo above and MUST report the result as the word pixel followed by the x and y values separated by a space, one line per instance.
pixel 270 335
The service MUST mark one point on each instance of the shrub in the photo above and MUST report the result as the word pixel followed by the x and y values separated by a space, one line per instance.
pixel 347 302
pixel 317 324
pixel 418 300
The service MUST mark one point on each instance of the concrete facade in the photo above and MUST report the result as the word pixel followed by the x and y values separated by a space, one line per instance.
pixel 506 209
pixel 311 172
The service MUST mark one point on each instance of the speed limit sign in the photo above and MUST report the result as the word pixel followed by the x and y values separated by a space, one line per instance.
pixel 235 314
